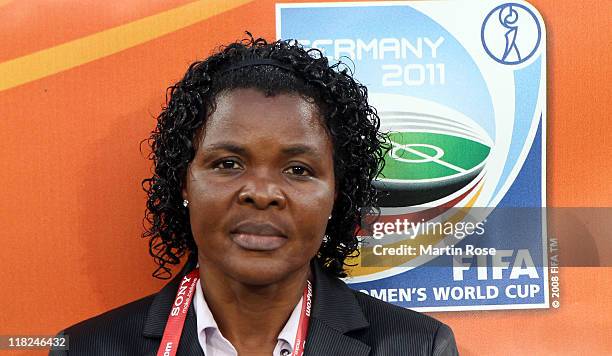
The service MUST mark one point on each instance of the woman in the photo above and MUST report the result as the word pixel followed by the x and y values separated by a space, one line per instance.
pixel 264 158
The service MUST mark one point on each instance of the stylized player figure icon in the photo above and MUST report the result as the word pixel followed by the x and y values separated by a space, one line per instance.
pixel 511 33
pixel 508 17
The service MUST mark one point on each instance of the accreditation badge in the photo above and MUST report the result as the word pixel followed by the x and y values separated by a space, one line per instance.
pixel 460 88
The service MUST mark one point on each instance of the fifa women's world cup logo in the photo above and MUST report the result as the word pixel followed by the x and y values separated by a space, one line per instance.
pixel 460 90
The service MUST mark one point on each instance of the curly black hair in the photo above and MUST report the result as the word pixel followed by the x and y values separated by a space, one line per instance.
pixel 353 125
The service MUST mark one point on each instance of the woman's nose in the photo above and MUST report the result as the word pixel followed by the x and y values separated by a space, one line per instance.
pixel 261 193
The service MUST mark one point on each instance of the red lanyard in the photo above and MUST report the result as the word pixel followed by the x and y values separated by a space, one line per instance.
pixel 176 319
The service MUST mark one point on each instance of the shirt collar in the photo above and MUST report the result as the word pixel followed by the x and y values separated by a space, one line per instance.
pixel 205 319
pixel 290 329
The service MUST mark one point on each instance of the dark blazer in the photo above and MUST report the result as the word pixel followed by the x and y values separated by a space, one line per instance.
pixel 343 322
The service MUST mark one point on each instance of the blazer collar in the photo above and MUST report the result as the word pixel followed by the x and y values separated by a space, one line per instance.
pixel 335 312
pixel 157 316
pixel 334 303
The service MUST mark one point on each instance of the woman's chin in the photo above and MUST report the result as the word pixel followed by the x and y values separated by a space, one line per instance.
pixel 262 273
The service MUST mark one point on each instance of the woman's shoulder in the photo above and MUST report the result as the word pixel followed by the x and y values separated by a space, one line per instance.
pixel 112 332
pixel 379 312
pixel 394 322
pixel 131 313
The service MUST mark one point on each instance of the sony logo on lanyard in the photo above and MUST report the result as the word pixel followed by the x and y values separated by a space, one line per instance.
pixel 180 307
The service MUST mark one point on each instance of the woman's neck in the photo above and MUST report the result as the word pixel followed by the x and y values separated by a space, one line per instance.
pixel 251 317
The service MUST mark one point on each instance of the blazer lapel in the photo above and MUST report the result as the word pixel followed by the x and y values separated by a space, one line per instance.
pixel 335 314
pixel 324 340
pixel 159 310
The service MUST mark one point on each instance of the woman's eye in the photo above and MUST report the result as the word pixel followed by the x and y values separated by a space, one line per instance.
pixel 227 164
pixel 298 171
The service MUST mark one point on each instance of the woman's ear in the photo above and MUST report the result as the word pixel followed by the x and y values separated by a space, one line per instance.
pixel 336 190
pixel 184 192
pixel 335 199
pixel 184 188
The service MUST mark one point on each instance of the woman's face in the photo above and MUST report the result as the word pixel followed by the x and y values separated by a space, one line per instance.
pixel 261 186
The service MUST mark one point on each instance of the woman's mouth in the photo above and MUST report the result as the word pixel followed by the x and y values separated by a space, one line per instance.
pixel 258 242
pixel 258 236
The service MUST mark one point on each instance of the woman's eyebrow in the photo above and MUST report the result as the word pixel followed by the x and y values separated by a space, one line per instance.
pixel 295 150
pixel 292 150
pixel 227 146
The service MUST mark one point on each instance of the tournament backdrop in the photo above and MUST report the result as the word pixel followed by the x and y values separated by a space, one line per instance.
pixel 80 83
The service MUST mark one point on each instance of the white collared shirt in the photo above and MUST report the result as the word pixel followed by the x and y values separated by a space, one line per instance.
pixel 213 343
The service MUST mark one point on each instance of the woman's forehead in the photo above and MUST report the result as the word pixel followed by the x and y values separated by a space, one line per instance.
pixel 249 115
pixel 240 97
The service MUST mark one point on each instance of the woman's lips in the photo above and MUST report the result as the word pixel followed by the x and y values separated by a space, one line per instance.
pixel 258 236
pixel 258 242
